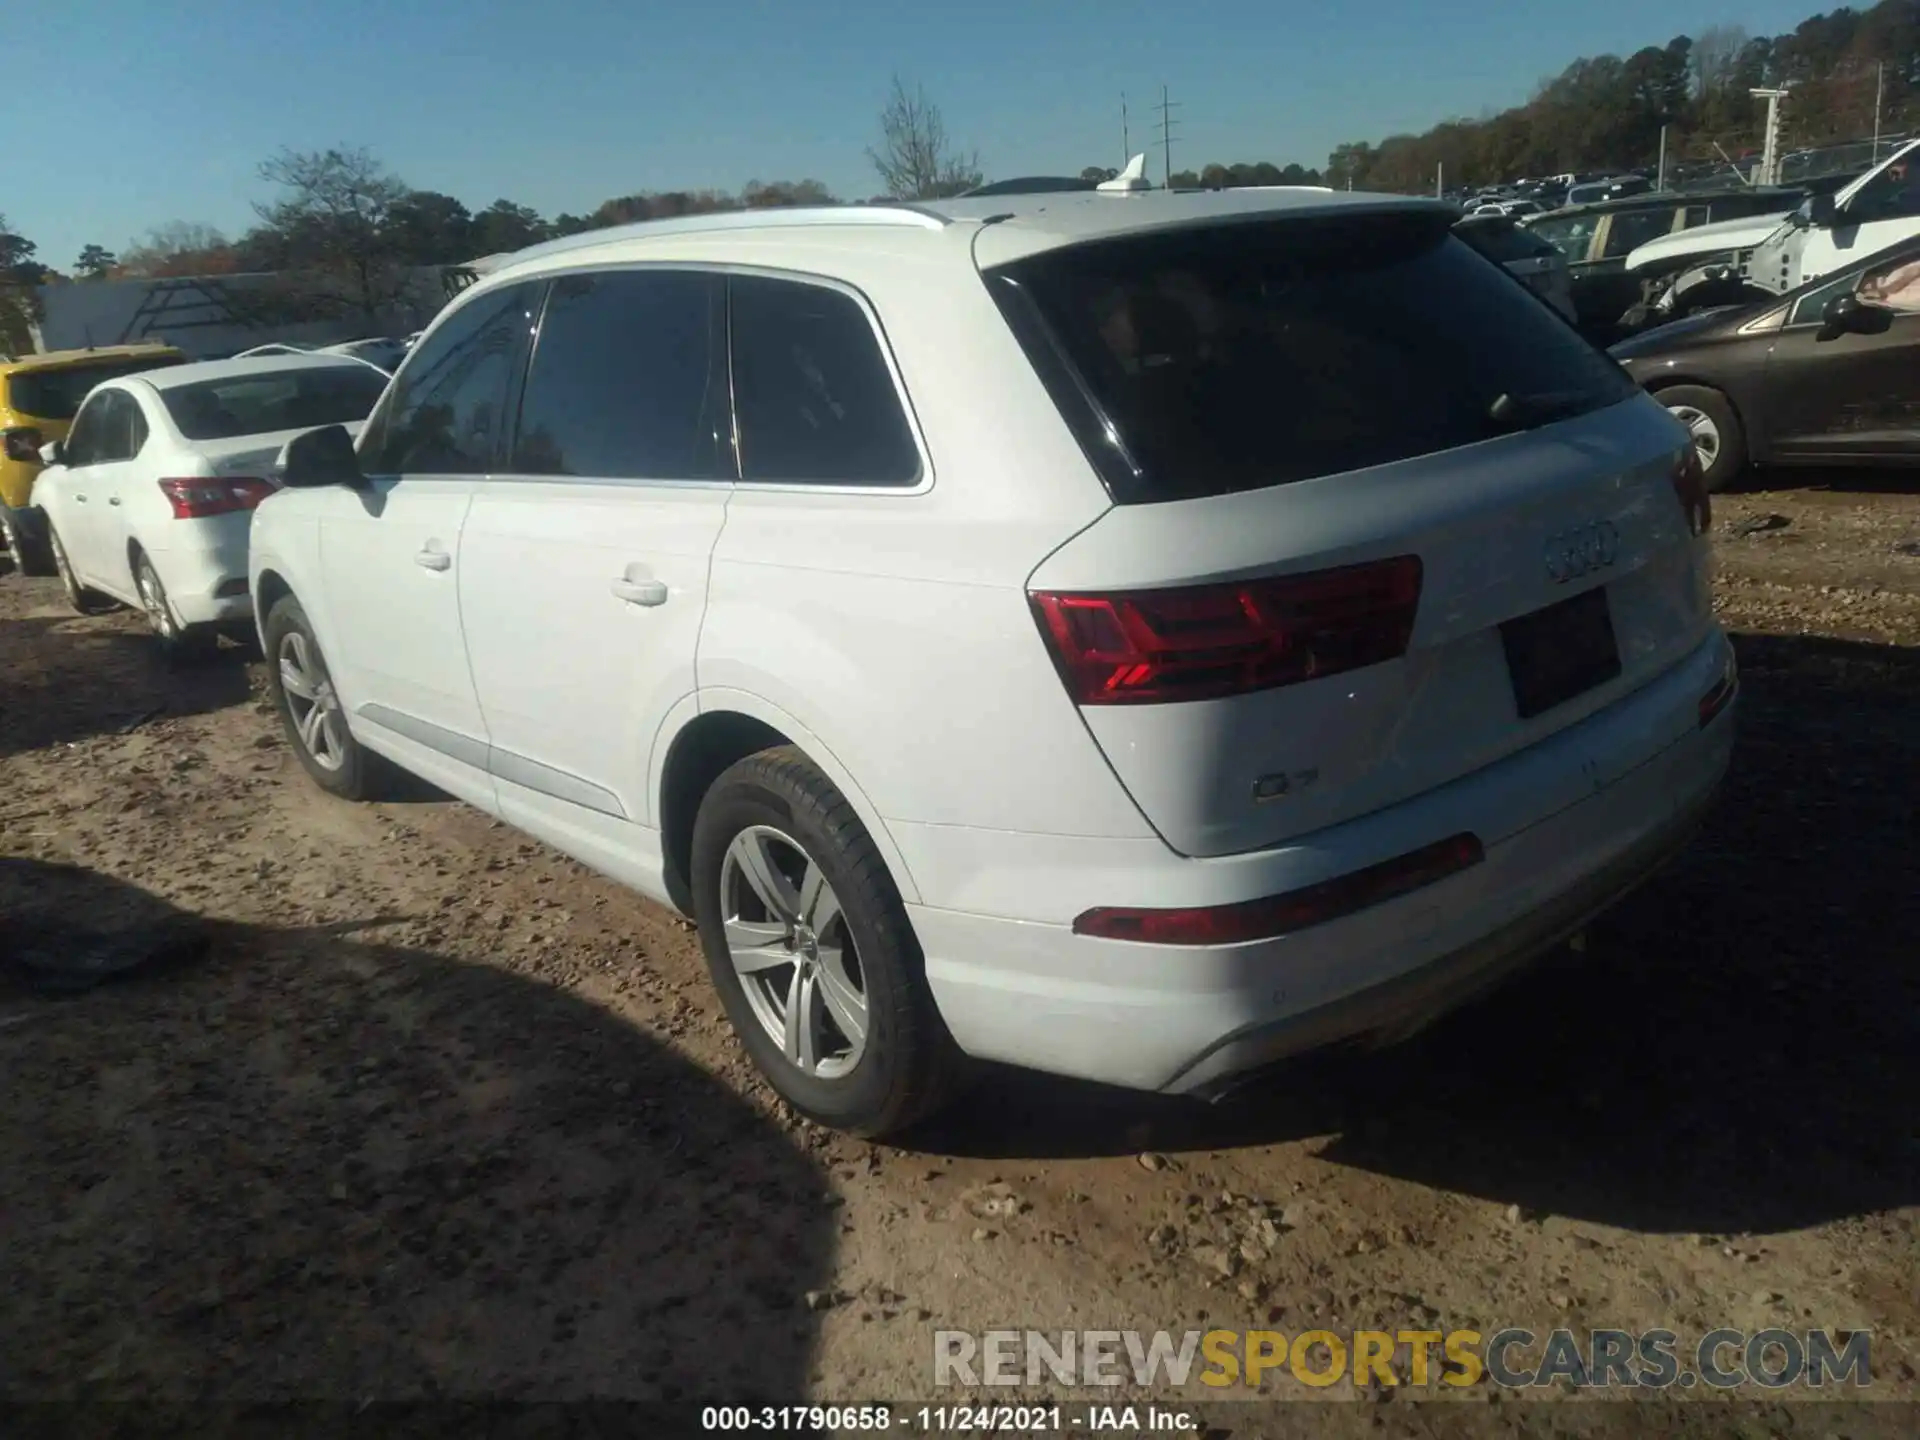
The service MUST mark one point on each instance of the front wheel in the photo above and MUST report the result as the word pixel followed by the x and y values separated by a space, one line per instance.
pixel 310 710
pixel 1718 437
pixel 811 951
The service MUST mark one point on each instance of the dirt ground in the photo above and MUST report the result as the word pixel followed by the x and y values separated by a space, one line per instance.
pixel 422 1109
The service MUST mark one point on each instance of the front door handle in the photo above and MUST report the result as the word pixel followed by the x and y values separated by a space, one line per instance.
pixel 80 499
pixel 433 559
pixel 113 499
pixel 640 592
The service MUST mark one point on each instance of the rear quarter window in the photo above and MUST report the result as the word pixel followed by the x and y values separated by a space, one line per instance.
pixel 1205 362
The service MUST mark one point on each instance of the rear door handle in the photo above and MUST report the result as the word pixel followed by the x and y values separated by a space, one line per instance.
pixel 640 592
pixel 113 499
pixel 433 559
pixel 80 499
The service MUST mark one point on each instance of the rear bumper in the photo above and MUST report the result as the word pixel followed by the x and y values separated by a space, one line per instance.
pixel 204 567
pixel 1192 1019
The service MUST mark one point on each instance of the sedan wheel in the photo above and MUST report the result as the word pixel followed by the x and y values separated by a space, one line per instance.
pixel 1706 434
pixel 87 602
pixel 790 947
pixel 312 704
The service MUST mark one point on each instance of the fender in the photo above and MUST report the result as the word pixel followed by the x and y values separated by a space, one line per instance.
pixel 710 698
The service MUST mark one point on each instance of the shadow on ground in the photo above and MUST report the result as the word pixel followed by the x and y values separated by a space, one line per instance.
pixel 1738 1050
pixel 70 679
pixel 309 1164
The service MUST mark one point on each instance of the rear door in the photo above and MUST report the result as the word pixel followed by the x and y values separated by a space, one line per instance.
pixel 584 558
pixel 1380 522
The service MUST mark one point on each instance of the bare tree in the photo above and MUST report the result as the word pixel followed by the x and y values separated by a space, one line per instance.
pixel 1714 51
pixel 332 222
pixel 180 247
pixel 916 160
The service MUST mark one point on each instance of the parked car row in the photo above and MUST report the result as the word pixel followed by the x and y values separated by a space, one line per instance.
pixel 1319 629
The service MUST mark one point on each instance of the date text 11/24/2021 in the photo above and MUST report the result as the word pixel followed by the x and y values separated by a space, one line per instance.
pixel 949 1419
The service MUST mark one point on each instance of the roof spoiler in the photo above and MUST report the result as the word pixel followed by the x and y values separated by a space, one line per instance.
pixel 1130 180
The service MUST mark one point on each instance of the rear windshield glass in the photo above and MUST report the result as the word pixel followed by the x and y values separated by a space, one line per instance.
pixel 56 394
pixel 1202 362
pixel 263 402
pixel 1503 241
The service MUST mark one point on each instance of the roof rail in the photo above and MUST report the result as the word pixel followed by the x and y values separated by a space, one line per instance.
pixel 773 218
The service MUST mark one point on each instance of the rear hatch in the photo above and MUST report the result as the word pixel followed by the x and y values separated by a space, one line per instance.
pixel 1380 519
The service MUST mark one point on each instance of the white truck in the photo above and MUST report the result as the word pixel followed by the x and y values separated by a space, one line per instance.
pixel 1742 260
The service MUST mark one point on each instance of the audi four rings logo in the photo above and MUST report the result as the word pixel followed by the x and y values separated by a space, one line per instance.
pixel 1582 550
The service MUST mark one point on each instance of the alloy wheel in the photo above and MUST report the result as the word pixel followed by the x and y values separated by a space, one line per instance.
pixel 153 600
pixel 793 952
pixel 312 702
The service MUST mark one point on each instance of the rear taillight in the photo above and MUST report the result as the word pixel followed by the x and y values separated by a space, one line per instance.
pixel 1297 910
pixel 1204 641
pixel 21 442
pixel 197 498
pixel 1690 484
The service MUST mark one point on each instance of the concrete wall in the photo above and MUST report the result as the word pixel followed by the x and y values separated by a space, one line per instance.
pixel 199 320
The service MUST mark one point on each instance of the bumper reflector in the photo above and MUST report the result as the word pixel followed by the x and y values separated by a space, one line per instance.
pixel 1277 915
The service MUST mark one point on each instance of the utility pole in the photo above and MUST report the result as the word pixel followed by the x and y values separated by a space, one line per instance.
pixel 1879 95
pixel 1770 150
pixel 1126 136
pixel 1167 122
pixel 1440 180
pixel 1661 183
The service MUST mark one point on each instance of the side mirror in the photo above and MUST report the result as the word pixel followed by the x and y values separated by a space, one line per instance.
pixel 1849 314
pixel 1820 211
pixel 321 457
pixel 54 452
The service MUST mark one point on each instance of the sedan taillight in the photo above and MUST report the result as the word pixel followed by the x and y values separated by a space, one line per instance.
pixel 198 497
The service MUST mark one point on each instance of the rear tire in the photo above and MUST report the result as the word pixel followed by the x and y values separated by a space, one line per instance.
pixel 29 552
pixel 178 641
pixel 1718 437
pixel 311 714
pixel 796 908
pixel 85 601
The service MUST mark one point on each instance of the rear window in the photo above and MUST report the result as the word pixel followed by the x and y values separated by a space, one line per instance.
pixel 1198 363
pixel 262 403
pixel 55 394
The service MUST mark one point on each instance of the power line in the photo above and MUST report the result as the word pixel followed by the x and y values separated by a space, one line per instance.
pixel 1167 122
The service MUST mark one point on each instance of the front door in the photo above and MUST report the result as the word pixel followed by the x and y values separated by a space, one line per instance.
pixel 1851 394
pixel 584 560
pixel 391 553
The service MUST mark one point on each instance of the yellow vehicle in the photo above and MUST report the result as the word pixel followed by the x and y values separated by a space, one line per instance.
pixel 39 396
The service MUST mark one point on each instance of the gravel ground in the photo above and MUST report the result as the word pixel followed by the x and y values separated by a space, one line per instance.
pixel 419 1108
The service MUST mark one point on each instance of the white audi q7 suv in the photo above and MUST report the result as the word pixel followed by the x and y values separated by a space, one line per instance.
pixel 1132 636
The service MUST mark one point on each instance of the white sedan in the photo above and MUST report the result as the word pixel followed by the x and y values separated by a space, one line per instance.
pixel 149 498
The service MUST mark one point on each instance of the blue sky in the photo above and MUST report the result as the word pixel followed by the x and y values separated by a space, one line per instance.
pixel 119 115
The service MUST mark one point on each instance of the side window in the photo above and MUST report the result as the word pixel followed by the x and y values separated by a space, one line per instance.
pixel 1895 285
pixel 136 425
pixel 1633 228
pixel 82 440
pixel 1809 308
pixel 443 415
pixel 629 379
pixel 1572 238
pixel 111 436
pixel 815 401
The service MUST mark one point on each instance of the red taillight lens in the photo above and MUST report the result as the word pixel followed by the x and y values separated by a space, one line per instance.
pixel 195 499
pixel 1297 910
pixel 1204 641
pixel 1690 484
pixel 21 442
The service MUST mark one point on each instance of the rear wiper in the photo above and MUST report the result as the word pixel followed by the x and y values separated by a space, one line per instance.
pixel 1520 412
